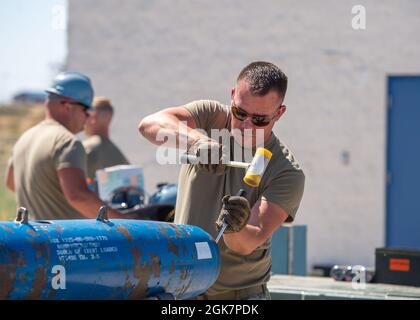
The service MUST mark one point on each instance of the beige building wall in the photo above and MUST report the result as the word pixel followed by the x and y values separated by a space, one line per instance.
pixel 147 55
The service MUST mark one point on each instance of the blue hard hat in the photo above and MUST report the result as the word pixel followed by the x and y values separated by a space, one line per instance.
pixel 75 86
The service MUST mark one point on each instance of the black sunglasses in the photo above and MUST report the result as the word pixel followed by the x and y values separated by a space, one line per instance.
pixel 85 109
pixel 259 121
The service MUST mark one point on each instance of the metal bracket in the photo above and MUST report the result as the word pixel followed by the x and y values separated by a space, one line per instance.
pixel 103 214
pixel 22 216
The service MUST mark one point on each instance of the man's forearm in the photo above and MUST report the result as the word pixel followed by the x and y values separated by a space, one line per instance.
pixel 88 204
pixel 245 241
pixel 162 129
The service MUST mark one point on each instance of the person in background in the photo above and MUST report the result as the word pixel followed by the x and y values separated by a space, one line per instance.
pixel 48 163
pixel 101 151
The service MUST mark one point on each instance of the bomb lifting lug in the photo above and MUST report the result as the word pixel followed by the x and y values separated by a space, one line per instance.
pixel 103 214
pixel 22 216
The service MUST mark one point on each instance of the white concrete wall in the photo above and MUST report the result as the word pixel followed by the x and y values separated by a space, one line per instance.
pixel 146 55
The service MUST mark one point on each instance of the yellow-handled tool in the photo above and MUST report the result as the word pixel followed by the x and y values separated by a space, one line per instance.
pixel 255 169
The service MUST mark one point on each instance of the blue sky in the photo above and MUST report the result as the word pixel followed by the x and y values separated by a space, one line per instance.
pixel 33 43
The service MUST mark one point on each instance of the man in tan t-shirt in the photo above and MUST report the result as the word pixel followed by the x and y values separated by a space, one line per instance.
pixel 48 164
pixel 100 150
pixel 205 190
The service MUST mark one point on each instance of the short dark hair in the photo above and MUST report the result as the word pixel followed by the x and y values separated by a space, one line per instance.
pixel 263 77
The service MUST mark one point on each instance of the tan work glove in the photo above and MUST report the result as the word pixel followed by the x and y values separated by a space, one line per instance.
pixel 235 213
pixel 210 154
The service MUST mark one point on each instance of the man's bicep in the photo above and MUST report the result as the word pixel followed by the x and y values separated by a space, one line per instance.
pixel 207 114
pixel 286 191
pixel 72 181
pixel 199 114
pixel 182 114
pixel 70 154
pixel 268 217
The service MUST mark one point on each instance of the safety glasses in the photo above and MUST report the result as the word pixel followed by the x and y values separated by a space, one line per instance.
pixel 258 121
pixel 85 109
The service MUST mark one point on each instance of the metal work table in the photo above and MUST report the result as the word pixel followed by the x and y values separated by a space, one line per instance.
pixel 285 287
